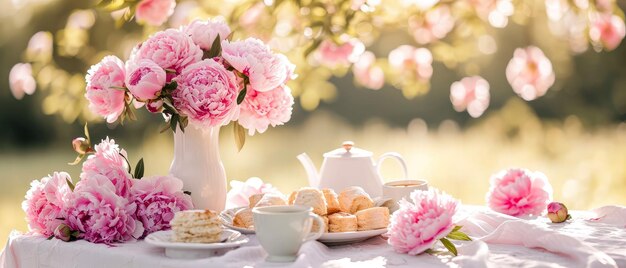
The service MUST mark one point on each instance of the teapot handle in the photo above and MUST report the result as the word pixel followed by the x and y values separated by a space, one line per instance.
pixel 396 156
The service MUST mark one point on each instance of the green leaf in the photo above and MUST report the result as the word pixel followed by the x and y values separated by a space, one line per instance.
pixel 118 88
pixel 50 237
pixel 242 94
pixel 70 184
pixel 171 86
pixel 569 217
pixel 87 134
pixel 184 122
pixel 77 160
pixel 187 192
pixel 174 122
pixel 458 235
pixel 456 228
pixel 312 47
pixel 240 135
pixel 449 246
pixel 216 48
pixel 434 252
pixel 139 168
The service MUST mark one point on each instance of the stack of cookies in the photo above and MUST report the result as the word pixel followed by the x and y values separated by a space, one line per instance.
pixel 196 226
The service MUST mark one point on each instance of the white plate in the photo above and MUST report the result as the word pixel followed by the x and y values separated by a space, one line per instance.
pixel 228 215
pixel 180 250
pixel 349 237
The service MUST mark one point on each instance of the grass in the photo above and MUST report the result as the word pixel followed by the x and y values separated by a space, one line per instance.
pixel 587 168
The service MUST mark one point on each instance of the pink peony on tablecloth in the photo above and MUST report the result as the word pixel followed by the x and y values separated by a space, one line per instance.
pixel 592 239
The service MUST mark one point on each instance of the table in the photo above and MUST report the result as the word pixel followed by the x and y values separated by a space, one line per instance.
pixel 500 241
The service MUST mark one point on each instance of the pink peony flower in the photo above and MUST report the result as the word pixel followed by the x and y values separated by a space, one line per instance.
pixel 45 202
pixel 368 74
pixel 254 59
pixel 103 81
pixel 419 224
pixel 144 79
pixel 607 30
pixel 21 80
pixel 158 199
pixel 530 73
pixel 109 161
pixel 155 106
pixel 434 25
pixel 154 12
pixel 410 60
pixel 519 192
pixel 203 32
pixel 471 94
pixel 40 46
pixel 557 212
pixel 331 54
pixel 206 93
pixel 240 191
pixel 100 215
pixel 171 49
pixel 262 109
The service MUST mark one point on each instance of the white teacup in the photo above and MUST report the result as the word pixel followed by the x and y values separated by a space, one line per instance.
pixel 281 230
pixel 399 189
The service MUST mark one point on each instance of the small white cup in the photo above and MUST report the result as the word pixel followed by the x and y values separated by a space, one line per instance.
pixel 399 189
pixel 281 230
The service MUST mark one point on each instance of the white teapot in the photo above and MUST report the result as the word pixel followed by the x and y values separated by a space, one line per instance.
pixel 349 166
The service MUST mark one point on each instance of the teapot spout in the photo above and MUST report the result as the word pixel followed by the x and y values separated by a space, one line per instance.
pixel 311 170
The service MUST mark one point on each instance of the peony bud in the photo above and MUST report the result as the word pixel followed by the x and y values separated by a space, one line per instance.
pixel 557 212
pixel 155 106
pixel 63 232
pixel 81 145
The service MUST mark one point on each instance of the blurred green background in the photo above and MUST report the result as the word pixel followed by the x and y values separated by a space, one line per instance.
pixel 575 134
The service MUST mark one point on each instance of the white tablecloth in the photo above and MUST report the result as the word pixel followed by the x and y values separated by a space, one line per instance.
pixel 592 243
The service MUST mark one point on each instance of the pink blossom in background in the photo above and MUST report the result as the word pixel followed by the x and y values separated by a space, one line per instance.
pixel 254 59
pixel 21 80
pixel 420 222
pixel 519 192
pixel 154 12
pixel 40 45
pixel 366 73
pixel 530 73
pixel 145 79
pixel 240 191
pixel 103 82
pixel 408 59
pixel 433 25
pixel 109 161
pixel 203 32
pixel 607 30
pixel 471 94
pixel 100 215
pixel 259 110
pixel 45 202
pixel 170 49
pixel 252 15
pixel 158 198
pixel 332 54
pixel 496 12
pixel 207 94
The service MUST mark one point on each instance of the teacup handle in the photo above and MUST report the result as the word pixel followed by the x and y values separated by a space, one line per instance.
pixel 319 232
pixel 394 155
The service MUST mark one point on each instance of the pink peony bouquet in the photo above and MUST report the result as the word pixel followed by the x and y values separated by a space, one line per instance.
pixel 519 192
pixel 109 204
pixel 424 220
pixel 240 191
pixel 198 75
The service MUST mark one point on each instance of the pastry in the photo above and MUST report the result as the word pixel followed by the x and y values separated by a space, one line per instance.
pixel 196 226
pixel 342 222
pixel 353 199
pixel 292 197
pixel 332 203
pixel 314 227
pixel 270 199
pixel 243 218
pixel 372 218
pixel 254 199
pixel 313 198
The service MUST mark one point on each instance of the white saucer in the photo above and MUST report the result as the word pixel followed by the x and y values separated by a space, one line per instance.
pixel 227 217
pixel 180 250
pixel 349 237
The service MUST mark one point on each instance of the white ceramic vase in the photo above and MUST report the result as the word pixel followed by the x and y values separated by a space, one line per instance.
pixel 197 163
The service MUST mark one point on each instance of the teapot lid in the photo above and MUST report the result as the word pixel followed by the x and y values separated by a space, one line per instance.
pixel 348 150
